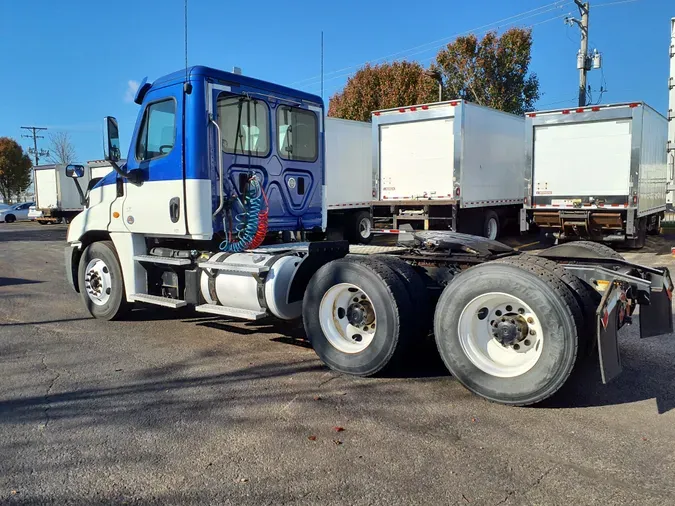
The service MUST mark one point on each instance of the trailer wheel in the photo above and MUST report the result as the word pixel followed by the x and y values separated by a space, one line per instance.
pixel 587 298
pixel 359 228
pixel 100 280
pixel 584 249
pixel 491 226
pixel 416 288
pixel 357 315
pixel 508 334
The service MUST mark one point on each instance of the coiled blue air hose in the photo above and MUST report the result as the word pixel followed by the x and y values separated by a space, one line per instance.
pixel 246 222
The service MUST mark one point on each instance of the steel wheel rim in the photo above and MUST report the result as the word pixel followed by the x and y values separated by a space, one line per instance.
pixel 364 228
pixel 347 317
pixel 481 347
pixel 97 281
pixel 492 229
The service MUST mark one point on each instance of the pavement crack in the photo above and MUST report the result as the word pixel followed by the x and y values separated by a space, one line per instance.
pixel 534 484
pixel 48 404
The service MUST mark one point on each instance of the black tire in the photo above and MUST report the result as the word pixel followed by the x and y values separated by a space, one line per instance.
pixel 587 298
pixel 547 296
pixel 10 218
pixel 593 249
pixel 491 218
pixel 116 306
pixel 417 291
pixel 392 306
pixel 354 227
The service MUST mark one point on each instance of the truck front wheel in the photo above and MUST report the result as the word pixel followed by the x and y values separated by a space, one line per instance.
pixel 508 334
pixel 358 316
pixel 101 283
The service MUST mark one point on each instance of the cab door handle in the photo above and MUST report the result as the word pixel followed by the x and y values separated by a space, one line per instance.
pixel 174 209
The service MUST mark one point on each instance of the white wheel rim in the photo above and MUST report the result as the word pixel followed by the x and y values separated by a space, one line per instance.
pixel 97 282
pixel 364 228
pixel 484 350
pixel 492 229
pixel 347 318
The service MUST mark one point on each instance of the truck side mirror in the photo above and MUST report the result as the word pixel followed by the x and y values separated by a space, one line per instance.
pixel 75 171
pixel 111 140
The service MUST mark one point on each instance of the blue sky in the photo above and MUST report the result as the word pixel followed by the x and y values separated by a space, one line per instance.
pixel 66 64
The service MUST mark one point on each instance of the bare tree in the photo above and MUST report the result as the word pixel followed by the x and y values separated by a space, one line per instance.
pixel 61 149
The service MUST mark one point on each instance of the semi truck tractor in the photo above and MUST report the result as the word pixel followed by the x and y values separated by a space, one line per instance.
pixel 597 172
pixel 448 165
pixel 208 173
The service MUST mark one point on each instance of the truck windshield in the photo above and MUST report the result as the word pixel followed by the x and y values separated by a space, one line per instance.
pixel 297 133
pixel 244 125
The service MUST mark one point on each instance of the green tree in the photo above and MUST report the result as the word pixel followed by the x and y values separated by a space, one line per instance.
pixel 15 168
pixel 381 87
pixel 492 71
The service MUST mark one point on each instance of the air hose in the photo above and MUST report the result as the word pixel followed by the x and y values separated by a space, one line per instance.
pixel 250 226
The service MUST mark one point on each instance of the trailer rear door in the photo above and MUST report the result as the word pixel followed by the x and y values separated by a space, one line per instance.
pixel 582 159
pixel 45 188
pixel 416 159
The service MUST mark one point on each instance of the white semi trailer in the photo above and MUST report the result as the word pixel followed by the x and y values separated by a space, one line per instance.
pixel 671 117
pixel 448 165
pixel 168 228
pixel 597 172
pixel 349 178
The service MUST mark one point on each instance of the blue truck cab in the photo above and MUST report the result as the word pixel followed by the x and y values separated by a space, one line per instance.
pixel 174 184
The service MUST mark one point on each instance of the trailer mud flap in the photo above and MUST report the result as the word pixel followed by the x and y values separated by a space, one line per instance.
pixel 609 315
pixel 656 318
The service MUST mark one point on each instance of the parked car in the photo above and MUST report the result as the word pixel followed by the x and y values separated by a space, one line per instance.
pixel 34 213
pixel 17 212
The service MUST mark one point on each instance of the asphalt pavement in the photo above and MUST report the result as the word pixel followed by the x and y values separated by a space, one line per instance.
pixel 178 408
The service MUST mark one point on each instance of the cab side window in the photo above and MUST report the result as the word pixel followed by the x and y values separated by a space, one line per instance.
pixel 158 131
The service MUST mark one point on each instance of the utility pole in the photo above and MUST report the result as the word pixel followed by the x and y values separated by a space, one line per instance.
pixel 34 150
pixel 584 61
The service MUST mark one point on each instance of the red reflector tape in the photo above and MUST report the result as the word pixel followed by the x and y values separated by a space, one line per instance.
pixel 566 111
pixel 605 318
pixel 634 104
pixel 580 109
pixel 376 113
pixel 595 109
pixel 532 115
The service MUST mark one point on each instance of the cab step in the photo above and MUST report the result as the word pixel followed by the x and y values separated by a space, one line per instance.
pixel 158 301
pixel 235 312
pixel 155 259
pixel 242 269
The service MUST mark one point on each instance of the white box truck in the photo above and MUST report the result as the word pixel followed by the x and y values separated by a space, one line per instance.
pixel 56 195
pixel 349 178
pixel 671 124
pixel 597 172
pixel 450 164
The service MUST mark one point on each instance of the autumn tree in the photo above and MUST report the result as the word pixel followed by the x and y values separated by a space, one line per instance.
pixel 15 168
pixel 61 149
pixel 492 71
pixel 381 87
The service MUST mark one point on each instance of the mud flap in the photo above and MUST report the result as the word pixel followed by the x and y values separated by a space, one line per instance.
pixel 608 316
pixel 656 318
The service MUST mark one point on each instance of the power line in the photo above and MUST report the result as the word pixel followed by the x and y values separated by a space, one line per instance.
pixel 542 10
pixel 313 85
pixel 607 4
pixel 34 135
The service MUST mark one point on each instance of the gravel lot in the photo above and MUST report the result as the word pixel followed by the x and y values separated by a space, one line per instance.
pixel 176 408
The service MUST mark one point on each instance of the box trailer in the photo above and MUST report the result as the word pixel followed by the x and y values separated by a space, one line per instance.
pixel 450 164
pixel 349 178
pixel 597 172
pixel 56 195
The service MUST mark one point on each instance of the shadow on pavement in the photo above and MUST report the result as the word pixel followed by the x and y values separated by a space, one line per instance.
pixel 41 234
pixel 17 281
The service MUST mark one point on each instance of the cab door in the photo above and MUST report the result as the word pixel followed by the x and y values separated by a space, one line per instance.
pixel 154 204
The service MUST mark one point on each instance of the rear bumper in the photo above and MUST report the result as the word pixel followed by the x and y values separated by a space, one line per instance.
pixel 608 224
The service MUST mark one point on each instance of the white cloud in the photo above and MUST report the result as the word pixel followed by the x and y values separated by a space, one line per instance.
pixel 132 87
